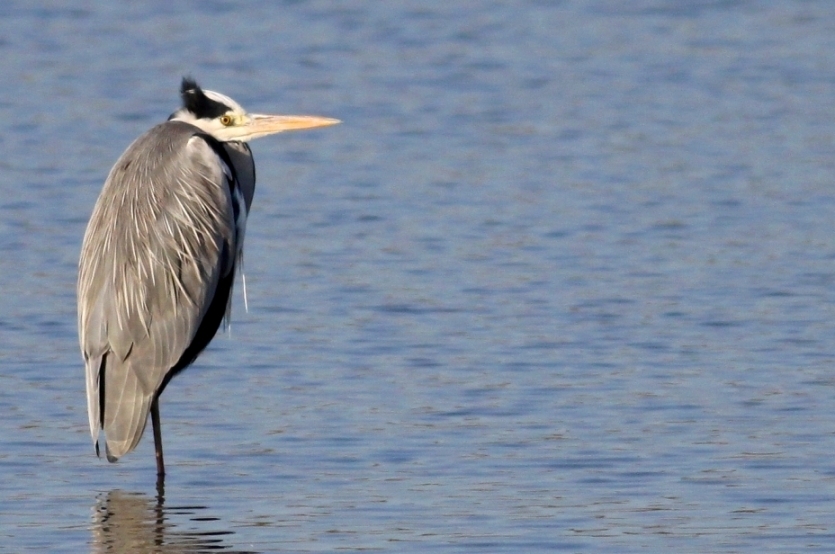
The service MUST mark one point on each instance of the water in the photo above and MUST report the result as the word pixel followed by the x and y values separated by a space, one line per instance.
pixel 561 281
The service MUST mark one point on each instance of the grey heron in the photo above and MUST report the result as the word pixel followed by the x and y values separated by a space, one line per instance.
pixel 159 257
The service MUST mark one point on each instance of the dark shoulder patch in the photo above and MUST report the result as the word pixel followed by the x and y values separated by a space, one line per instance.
pixel 196 101
pixel 221 152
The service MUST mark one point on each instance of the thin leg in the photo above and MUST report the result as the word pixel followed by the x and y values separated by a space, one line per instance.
pixel 160 494
pixel 157 436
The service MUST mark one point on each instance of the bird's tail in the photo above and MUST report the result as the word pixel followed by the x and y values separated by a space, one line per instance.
pixel 127 403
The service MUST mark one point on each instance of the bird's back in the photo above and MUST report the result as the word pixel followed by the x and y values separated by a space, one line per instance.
pixel 156 270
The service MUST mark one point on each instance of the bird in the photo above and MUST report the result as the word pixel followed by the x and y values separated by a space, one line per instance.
pixel 159 257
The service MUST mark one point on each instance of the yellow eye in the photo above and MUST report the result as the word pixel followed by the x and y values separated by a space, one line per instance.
pixel 226 120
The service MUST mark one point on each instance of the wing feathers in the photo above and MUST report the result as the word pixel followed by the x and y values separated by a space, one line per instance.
pixel 155 249
pixel 127 405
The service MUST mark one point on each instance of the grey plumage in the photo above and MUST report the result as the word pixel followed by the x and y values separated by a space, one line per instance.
pixel 159 256
pixel 150 269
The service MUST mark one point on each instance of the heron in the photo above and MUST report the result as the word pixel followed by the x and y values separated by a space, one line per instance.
pixel 159 258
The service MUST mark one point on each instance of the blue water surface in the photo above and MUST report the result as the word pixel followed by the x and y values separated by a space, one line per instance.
pixel 563 280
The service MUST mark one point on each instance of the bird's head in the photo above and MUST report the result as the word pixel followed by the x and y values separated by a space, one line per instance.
pixel 225 119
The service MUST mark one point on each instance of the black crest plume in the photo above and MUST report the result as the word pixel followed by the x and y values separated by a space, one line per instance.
pixel 196 101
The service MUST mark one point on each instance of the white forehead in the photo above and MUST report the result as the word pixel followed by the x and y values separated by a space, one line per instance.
pixel 223 99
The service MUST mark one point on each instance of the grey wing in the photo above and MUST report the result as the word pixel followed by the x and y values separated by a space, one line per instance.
pixel 160 239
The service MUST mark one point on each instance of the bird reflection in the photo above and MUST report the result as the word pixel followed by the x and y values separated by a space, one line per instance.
pixel 128 522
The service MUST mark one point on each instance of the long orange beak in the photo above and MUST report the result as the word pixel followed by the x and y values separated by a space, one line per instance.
pixel 261 125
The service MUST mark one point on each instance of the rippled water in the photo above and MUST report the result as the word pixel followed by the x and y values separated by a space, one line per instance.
pixel 563 280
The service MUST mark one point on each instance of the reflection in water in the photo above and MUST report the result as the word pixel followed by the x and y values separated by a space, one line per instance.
pixel 136 523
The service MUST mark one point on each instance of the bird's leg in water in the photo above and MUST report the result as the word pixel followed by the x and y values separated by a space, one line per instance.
pixel 157 436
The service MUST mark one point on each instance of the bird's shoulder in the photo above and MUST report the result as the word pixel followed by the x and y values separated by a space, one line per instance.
pixel 166 145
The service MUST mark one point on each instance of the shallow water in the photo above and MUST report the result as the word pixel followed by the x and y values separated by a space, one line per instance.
pixel 561 281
